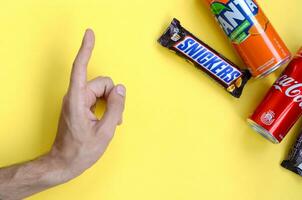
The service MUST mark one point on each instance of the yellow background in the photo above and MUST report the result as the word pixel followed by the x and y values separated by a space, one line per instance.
pixel 183 136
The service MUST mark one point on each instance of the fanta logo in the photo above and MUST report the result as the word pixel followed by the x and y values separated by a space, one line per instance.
pixel 208 60
pixel 235 17
pixel 290 87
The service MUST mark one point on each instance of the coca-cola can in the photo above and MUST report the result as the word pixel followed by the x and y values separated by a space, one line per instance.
pixel 282 105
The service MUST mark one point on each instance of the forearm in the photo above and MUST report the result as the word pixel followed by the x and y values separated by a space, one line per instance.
pixel 22 180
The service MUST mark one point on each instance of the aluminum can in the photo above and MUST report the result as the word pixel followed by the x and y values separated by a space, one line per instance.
pixel 251 34
pixel 282 105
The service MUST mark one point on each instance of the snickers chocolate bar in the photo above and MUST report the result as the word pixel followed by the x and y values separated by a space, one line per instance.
pixel 219 68
pixel 294 159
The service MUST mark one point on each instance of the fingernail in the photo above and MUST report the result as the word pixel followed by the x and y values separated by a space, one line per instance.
pixel 121 90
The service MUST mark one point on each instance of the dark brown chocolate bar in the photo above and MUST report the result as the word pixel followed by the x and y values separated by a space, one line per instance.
pixel 294 158
pixel 185 44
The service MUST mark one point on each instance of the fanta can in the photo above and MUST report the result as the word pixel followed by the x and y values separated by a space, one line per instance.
pixel 251 34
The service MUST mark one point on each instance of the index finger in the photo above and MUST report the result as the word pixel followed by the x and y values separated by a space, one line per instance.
pixel 79 69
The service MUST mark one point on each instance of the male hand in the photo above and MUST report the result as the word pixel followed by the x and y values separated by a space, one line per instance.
pixel 82 138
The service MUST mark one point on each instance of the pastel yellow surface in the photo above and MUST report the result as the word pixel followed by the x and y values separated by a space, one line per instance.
pixel 183 136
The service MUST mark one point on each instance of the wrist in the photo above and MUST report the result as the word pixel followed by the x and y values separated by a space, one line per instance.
pixel 69 162
pixel 60 168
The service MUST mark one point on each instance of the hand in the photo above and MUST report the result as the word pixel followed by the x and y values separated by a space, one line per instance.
pixel 82 138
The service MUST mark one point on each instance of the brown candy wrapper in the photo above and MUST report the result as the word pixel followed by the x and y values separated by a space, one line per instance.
pixel 219 68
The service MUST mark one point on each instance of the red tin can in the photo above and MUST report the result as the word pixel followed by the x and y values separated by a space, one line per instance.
pixel 282 106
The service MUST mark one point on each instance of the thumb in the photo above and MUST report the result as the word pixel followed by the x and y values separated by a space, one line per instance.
pixel 115 108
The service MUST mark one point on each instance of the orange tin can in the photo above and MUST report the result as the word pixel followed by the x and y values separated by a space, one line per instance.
pixel 251 34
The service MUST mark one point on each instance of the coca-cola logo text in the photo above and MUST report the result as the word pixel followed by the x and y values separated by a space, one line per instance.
pixel 291 88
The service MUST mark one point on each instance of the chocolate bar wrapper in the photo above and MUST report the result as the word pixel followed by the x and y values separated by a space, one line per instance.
pixel 219 68
pixel 294 159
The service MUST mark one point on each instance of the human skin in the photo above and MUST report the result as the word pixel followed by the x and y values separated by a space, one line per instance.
pixel 81 138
